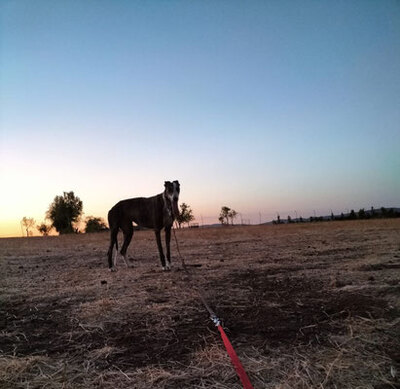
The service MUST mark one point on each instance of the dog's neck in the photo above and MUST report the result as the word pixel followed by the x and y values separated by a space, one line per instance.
pixel 168 205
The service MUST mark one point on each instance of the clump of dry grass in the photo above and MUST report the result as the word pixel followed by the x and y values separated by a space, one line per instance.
pixel 352 360
pixel 40 372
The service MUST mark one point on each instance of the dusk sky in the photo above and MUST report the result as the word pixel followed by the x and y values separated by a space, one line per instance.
pixel 263 106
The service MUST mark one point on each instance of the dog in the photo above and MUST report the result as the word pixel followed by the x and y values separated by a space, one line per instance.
pixel 156 212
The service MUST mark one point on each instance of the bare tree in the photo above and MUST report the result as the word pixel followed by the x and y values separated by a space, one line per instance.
pixel 232 214
pixel 28 223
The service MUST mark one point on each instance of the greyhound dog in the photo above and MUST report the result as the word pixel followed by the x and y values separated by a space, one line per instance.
pixel 155 212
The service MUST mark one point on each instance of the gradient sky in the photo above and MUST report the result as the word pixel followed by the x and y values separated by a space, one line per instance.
pixel 263 106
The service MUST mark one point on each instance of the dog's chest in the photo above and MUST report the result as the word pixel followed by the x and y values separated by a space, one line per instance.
pixel 168 219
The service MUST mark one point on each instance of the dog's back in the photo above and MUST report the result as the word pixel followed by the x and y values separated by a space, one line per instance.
pixel 143 211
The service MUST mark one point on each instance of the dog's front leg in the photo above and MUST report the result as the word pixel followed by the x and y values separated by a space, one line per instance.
pixel 168 244
pixel 160 249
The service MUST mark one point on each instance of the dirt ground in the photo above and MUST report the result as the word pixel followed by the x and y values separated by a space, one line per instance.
pixel 305 306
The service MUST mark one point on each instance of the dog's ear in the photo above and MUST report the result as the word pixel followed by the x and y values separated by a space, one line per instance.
pixel 166 183
pixel 177 183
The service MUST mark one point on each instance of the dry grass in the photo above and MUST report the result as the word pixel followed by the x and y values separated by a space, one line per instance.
pixel 305 306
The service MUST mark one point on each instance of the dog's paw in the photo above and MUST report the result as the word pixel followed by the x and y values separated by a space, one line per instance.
pixel 112 269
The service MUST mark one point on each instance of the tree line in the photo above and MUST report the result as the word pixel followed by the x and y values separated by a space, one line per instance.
pixel 63 216
pixel 362 214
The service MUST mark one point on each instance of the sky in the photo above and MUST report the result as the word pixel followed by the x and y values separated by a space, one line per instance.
pixel 263 106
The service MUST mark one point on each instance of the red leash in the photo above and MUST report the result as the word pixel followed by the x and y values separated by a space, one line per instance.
pixel 229 348
pixel 234 358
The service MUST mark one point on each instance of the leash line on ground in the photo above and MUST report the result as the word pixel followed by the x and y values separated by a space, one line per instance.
pixel 241 373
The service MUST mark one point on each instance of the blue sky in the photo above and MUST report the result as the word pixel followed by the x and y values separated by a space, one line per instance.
pixel 269 106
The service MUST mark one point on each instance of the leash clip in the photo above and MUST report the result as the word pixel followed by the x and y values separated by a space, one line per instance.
pixel 215 320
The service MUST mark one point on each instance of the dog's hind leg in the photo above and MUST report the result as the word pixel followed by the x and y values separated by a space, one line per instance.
pixel 113 241
pixel 127 229
pixel 115 260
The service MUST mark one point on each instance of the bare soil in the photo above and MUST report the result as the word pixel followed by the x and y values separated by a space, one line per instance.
pixel 305 306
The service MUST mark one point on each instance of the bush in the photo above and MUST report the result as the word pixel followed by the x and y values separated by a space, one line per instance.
pixel 95 224
pixel 44 228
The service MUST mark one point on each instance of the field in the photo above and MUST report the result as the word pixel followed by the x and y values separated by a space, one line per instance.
pixel 305 306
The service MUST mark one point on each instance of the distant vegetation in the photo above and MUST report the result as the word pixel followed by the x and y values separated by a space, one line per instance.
pixel 227 214
pixel 28 223
pixel 362 214
pixel 44 228
pixel 95 224
pixel 64 211
pixel 185 215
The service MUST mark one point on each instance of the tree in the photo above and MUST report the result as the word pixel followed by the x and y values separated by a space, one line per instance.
pixel 232 214
pixel 28 223
pixel 224 215
pixel 352 215
pixel 44 228
pixel 362 214
pixel 185 215
pixel 63 211
pixel 95 224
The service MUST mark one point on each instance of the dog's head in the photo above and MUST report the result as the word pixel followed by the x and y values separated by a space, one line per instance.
pixel 172 190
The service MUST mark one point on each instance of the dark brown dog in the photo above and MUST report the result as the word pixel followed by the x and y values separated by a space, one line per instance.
pixel 155 212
